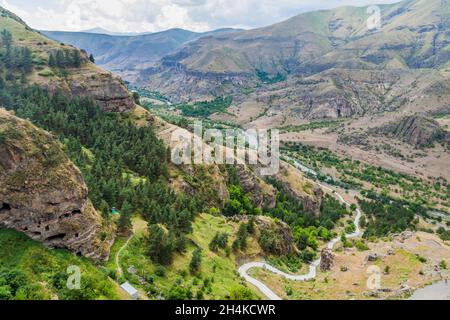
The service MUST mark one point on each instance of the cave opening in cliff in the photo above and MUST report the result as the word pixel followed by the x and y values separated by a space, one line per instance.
pixel 5 207
pixel 56 237
pixel 70 214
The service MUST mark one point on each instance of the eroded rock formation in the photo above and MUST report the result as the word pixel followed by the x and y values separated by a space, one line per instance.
pixel 103 87
pixel 417 130
pixel 274 236
pixel 43 195
pixel 301 188
pixel 261 194
pixel 327 260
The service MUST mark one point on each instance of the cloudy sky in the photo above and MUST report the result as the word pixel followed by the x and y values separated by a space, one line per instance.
pixel 157 15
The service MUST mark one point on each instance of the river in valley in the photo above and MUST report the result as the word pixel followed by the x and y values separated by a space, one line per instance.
pixel 436 291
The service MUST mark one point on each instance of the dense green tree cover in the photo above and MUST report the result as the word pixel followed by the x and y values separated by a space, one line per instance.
pixel 116 145
pixel 268 79
pixel 251 225
pixel 242 293
pixel 241 238
pixel 13 283
pixel 206 108
pixel 65 59
pixel 15 59
pixel 386 215
pixel 353 174
pixel 7 39
pixel 270 242
pixel 177 292
pixel 239 203
pixel 443 233
pixel 160 245
pixel 29 271
pixel 220 241
pixel 307 227
pixel 123 165
pixel 125 224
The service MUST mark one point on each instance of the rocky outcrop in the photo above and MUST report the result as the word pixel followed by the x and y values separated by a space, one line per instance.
pixel 87 80
pixel 43 195
pixel 327 260
pixel 274 236
pixel 182 86
pixel 417 130
pixel 103 87
pixel 300 188
pixel 261 194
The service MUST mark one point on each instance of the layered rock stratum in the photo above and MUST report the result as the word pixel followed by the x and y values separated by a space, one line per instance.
pixel 416 130
pixel 43 195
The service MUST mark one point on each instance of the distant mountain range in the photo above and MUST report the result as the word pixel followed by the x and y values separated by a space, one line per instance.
pixel 322 64
pixel 127 54
pixel 111 33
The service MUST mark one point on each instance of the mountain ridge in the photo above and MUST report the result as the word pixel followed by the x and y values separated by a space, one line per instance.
pixel 126 55
pixel 314 52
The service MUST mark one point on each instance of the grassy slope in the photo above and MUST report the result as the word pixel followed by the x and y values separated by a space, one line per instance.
pixel 42 74
pixel 221 268
pixel 40 265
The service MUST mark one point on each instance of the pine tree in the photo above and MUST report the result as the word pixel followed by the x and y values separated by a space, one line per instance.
pixel 76 59
pixel 242 236
pixel 27 60
pixel 196 261
pixel 125 224
pixel 6 39
pixel 60 59
pixel 104 209
pixel 68 59
pixel 251 227
pixel 91 58
pixel 160 246
pixel 52 61
pixel 236 245
pixel 184 223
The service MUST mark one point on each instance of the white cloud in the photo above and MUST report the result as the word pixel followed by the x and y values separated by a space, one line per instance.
pixel 156 15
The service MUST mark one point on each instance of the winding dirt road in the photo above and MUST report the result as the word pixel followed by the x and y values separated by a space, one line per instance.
pixel 243 270
pixel 119 252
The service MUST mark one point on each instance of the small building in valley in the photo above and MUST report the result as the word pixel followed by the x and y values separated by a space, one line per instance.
pixel 128 288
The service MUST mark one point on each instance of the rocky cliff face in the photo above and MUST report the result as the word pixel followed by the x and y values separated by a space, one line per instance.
pixel 274 236
pixel 262 194
pixel 282 241
pixel 109 91
pixel 86 81
pixel 417 130
pixel 43 194
pixel 300 188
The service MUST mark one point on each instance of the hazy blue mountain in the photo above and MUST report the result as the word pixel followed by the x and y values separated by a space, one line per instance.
pixel 127 54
